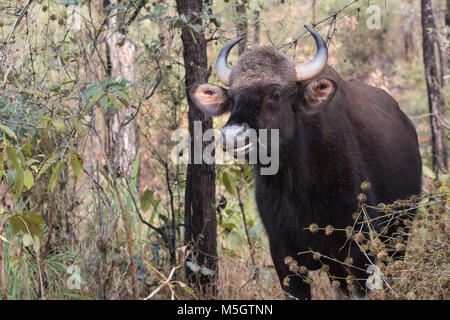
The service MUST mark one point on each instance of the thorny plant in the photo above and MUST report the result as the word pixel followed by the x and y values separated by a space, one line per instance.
pixel 424 273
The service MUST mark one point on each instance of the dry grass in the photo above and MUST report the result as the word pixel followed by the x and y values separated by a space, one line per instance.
pixel 236 280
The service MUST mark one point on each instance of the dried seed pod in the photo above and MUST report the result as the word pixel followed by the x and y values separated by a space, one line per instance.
pixel 288 260
pixel 313 227
pixel 362 197
pixel 382 255
pixel 365 186
pixel 303 270
pixel 359 237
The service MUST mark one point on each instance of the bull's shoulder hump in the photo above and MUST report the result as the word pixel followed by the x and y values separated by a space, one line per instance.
pixel 370 96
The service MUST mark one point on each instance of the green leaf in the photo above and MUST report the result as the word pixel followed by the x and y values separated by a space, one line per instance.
pixel 28 179
pixel 235 240
pixel 18 184
pixel 114 101
pixel 94 99
pixel 135 95
pixel 119 7
pixel 70 2
pixel 8 131
pixel 27 148
pixel 159 10
pixel 227 182
pixel 154 211
pixel 44 169
pixel 36 244
pixel 124 97
pixel 34 92
pixel 11 176
pixel 206 272
pixel 3 238
pixel 55 175
pixel 136 164
pixel 44 122
pixel 228 226
pixel 183 18
pixel 2 168
pixel 146 200
pixel 76 164
pixel 34 218
pixel 444 178
pixel 28 223
pixel 193 266
pixel 256 5
pixel 428 172
pixel 76 124
pixel 196 27
pixel 59 125
pixel 27 240
pixel 13 157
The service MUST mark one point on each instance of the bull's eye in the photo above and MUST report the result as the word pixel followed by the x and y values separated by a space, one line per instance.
pixel 275 96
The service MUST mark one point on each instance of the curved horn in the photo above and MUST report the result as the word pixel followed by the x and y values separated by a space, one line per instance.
pixel 222 68
pixel 312 68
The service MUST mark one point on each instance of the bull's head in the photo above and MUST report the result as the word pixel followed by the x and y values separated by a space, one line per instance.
pixel 266 90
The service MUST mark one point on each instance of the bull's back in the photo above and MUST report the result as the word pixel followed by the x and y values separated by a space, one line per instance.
pixel 388 141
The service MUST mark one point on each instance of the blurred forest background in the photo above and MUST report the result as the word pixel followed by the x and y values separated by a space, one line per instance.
pixel 91 205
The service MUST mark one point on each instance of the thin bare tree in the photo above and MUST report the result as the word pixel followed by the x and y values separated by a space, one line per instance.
pixel 241 24
pixel 200 213
pixel 257 27
pixel 314 12
pixel 435 100
pixel 122 135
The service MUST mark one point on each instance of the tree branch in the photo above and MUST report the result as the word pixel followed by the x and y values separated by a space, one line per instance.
pixel 139 7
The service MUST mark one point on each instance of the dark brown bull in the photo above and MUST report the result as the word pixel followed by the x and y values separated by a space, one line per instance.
pixel 334 134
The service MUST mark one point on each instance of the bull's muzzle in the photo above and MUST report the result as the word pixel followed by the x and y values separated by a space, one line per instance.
pixel 237 139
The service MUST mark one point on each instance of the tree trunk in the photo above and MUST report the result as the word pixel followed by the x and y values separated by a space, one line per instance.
pixel 200 185
pixel 447 17
pixel 443 60
pixel 408 32
pixel 409 44
pixel 123 140
pixel 241 24
pixel 435 101
pixel 447 24
pixel 314 12
pixel 257 27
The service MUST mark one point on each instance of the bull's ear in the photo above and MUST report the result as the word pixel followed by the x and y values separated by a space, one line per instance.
pixel 319 91
pixel 212 100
